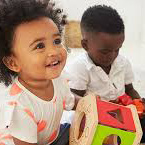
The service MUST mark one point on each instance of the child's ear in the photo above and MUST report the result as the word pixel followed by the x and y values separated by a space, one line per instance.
pixel 84 44
pixel 11 63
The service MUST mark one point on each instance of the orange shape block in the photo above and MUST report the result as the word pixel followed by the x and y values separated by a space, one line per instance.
pixel 15 89
pixel 41 125
pixel 53 136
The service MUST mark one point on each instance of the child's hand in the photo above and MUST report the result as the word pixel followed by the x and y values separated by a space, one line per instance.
pixel 143 100
pixel 116 101
pixel 123 100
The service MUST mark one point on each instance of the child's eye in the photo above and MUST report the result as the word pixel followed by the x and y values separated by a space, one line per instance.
pixel 57 41
pixel 40 46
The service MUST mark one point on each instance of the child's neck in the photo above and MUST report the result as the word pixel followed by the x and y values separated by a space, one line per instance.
pixel 42 89
pixel 106 69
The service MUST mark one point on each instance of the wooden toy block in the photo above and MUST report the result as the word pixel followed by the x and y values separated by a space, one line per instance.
pixel 138 132
pixel 127 138
pixel 88 107
pixel 94 133
pixel 105 108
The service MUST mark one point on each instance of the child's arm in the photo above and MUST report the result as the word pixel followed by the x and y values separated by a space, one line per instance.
pixel 130 91
pixel 78 92
pixel 19 142
pixel 77 98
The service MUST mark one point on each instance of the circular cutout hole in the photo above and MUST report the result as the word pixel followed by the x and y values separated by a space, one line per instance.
pixel 81 125
pixel 112 140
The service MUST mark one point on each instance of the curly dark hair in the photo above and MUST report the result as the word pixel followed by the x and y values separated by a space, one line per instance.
pixel 16 12
pixel 101 18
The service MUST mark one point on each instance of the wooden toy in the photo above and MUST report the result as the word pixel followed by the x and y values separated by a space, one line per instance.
pixel 105 108
pixel 139 132
pixel 127 138
pixel 88 107
pixel 104 119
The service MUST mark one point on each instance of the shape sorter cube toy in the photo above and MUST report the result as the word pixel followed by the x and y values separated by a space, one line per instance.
pixel 100 123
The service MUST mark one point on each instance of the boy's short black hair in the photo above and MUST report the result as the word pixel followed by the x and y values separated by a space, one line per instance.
pixel 16 12
pixel 101 18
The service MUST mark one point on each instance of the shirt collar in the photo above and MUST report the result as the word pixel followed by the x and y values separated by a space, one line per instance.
pixel 116 65
pixel 89 63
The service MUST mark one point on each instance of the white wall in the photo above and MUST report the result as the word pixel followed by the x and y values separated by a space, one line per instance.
pixel 143 23
pixel 130 10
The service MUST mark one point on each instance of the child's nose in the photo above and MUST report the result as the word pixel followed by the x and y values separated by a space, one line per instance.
pixel 53 51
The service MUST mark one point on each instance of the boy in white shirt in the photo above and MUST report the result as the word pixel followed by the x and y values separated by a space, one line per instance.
pixel 101 69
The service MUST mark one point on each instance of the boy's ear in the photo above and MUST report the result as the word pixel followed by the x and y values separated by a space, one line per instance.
pixel 84 44
pixel 11 63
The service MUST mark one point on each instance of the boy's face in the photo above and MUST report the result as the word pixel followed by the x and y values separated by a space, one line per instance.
pixel 102 47
pixel 38 52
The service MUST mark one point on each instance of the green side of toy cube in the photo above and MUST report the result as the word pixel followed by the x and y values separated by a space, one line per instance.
pixel 102 132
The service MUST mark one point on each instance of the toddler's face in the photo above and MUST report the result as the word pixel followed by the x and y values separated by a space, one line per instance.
pixel 102 47
pixel 38 52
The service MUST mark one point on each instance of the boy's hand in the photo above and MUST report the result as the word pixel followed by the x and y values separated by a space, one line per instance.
pixel 123 100
pixel 143 101
pixel 115 101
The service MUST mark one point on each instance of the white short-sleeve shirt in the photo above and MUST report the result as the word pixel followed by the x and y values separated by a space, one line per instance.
pixel 83 74
pixel 31 119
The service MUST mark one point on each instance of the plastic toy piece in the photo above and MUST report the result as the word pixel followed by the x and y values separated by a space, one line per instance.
pixel 88 107
pixel 105 108
pixel 139 106
pixel 127 138
pixel 125 100
pixel 139 132
pixel 139 103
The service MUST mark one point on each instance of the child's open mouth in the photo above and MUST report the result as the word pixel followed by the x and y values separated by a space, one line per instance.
pixel 53 64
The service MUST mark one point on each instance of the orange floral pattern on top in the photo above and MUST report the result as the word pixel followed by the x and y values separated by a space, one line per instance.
pixel 41 125
pixel 12 103
pixel 30 114
pixel 15 89
pixel 1 143
pixel 63 104
pixel 53 136
pixel 1 134
pixel 8 137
